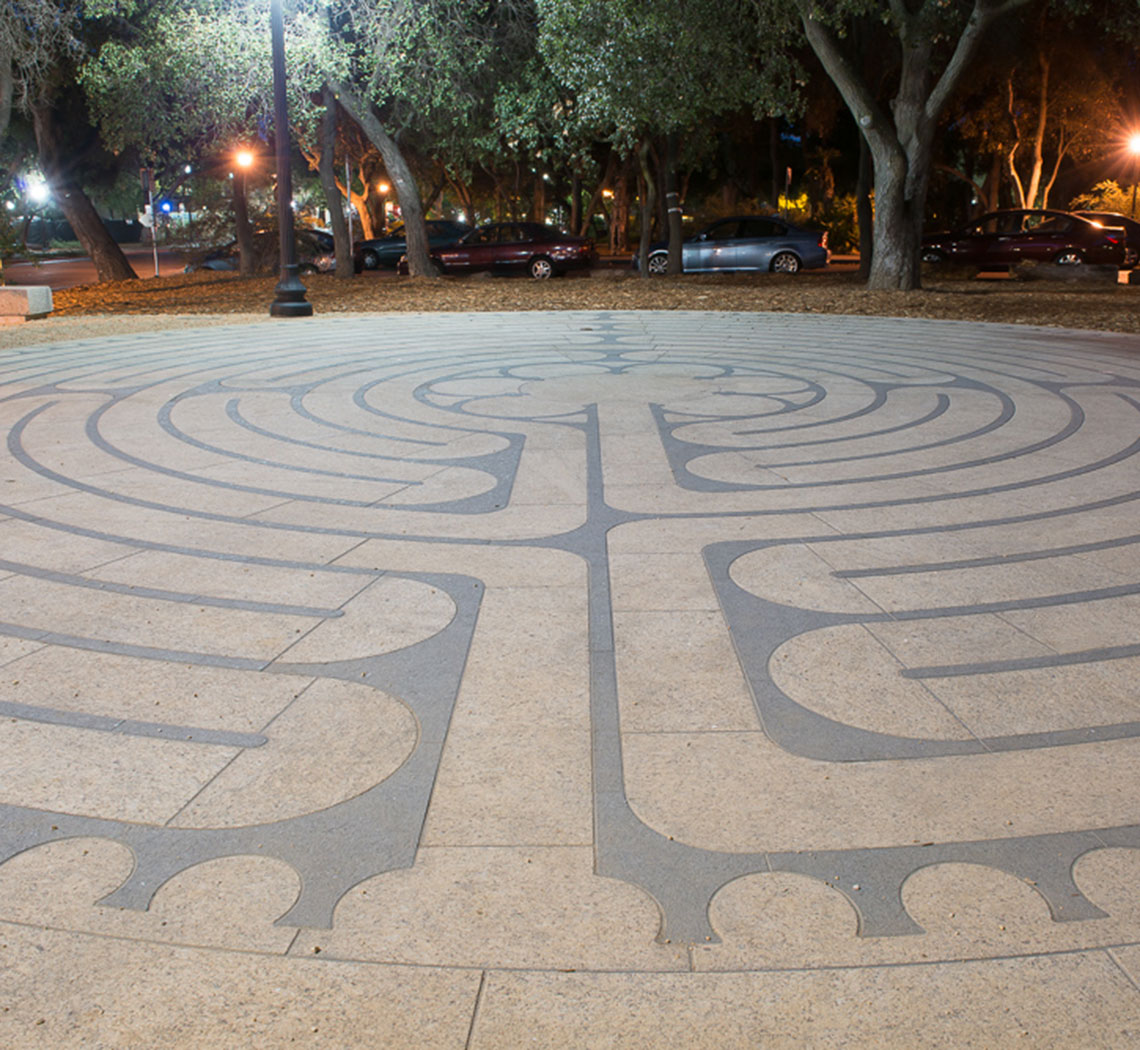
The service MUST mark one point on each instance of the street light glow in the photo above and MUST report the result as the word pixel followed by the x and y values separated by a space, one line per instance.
pixel 37 190
pixel 244 158
pixel 1134 144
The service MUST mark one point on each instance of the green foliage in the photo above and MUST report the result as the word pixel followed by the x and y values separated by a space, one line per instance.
pixel 425 63
pixel 840 218
pixel 9 239
pixel 195 78
pixel 637 69
pixel 1106 196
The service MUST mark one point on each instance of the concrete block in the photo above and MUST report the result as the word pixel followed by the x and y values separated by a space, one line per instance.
pixel 23 303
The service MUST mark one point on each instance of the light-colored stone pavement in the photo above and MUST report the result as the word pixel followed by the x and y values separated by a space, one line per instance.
pixel 571 680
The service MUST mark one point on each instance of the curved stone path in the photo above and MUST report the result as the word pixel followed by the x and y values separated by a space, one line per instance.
pixel 593 679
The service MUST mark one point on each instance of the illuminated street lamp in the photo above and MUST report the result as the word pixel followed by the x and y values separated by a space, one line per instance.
pixel 243 161
pixel 384 189
pixel 289 299
pixel 1134 149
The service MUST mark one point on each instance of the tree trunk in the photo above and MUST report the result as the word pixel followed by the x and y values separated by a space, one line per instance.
pixel 648 202
pixel 774 160
pixel 989 193
pixel 672 204
pixel 242 225
pixel 575 202
pixel 864 210
pixel 7 94
pixel 462 190
pixel 110 262
pixel 372 175
pixel 411 207
pixel 597 196
pixel 901 140
pixel 1039 133
pixel 357 202
pixel 619 221
pixel 538 211
pixel 333 199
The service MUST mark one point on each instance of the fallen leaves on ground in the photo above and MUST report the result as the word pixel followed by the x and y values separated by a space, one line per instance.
pixel 1091 305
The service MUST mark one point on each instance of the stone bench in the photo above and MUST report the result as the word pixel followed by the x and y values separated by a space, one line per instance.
pixel 21 303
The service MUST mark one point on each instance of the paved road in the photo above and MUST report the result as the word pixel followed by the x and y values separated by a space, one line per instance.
pixel 571 680
pixel 67 273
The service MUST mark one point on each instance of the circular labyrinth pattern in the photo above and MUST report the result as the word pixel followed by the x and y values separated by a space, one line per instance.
pixel 750 641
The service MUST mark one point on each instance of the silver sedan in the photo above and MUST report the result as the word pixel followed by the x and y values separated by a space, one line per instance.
pixel 747 242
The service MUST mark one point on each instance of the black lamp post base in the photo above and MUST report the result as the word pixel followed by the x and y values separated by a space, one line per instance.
pixel 290 309
pixel 289 296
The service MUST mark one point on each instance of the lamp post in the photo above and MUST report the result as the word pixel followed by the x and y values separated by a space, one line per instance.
pixel 289 299
pixel 243 161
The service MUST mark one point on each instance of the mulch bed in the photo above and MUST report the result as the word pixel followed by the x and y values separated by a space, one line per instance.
pixel 1087 304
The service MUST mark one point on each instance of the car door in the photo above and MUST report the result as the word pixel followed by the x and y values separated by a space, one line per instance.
pixel 754 243
pixel 712 249
pixel 514 248
pixel 1008 240
pixel 1045 236
pixel 474 252
pixel 973 243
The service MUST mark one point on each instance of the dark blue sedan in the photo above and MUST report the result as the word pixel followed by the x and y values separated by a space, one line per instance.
pixel 386 251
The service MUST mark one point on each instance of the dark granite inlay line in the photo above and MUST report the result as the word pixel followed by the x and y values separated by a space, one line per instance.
pixel 129 726
pixel 1027 663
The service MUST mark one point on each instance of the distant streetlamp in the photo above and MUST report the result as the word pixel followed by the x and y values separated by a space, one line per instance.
pixel 1134 149
pixel 384 189
pixel 243 161
pixel 289 299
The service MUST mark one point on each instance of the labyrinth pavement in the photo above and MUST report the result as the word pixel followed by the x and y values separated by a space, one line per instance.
pixel 747 639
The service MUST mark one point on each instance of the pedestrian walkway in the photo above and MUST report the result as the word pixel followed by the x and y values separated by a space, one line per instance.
pixel 680 680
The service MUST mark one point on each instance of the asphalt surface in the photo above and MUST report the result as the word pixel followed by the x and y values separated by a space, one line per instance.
pixel 58 274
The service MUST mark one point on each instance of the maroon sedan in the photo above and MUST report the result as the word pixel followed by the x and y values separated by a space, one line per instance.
pixel 1004 237
pixel 516 247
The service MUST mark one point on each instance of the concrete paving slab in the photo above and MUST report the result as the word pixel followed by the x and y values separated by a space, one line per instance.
pixel 570 680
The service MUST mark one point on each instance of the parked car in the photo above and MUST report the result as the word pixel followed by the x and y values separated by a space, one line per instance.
pixel 746 242
pixel 1130 226
pixel 386 251
pixel 1001 238
pixel 515 247
pixel 314 253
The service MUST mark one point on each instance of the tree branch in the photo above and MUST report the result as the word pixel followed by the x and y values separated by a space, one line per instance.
pixel 981 17
pixel 868 114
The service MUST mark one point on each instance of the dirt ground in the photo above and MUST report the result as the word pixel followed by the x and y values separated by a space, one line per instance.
pixel 205 298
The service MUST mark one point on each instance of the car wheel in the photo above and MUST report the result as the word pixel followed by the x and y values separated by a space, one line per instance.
pixel 933 256
pixel 370 260
pixel 540 268
pixel 785 262
pixel 1069 257
pixel 659 264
